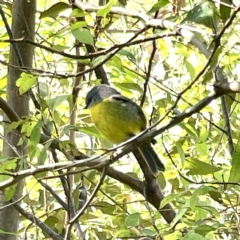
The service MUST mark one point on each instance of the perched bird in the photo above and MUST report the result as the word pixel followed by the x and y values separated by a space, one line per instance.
pixel 118 118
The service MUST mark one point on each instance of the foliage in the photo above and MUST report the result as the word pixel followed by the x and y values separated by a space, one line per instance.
pixel 201 180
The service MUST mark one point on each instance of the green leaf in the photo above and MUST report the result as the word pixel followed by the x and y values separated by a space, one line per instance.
pixel 234 172
pixel 175 183
pixel 123 2
pixel 216 56
pixel 91 131
pixel 77 12
pixel 225 11
pixel 132 220
pixel 9 192
pixel 34 140
pixel 5 159
pixel 158 5
pixel 83 35
pixel 107 208
pixel 197 167
pixel 122 233
pixel 43 89
pixel 180 151
pixel 13 125
pixel 68 128
pixel 27 128
pixel 115 61
pixel 192 235
pixel 43 154
pixel 54 10
pixel 101 235
pixel 201 14
pixel 128 86
pixel 204 229
pixel 191 69
pixel 215 195
pixel 52 222
pixel 78 25
pixel 202 190
pixel 127 53
pixel 169 198
pixel 7 166
pixel 191 131
pixel 99 60
pixel 202 148
pixel 25 82
pixel 42 157
pixel 161 180
pixel 204 133
pixel 106 9
pixel 180 213
pixel 36 132
pixel 55 102
pixel 148 232
pixel 230 99
pixel 210 209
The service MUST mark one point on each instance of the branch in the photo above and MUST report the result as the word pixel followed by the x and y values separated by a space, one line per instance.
pixel 13 117
pixel 185 31
pixel 75 218
pixel 136 14
pixel 101 161
pixel 87 56
pixel 126 147
pixel 38 222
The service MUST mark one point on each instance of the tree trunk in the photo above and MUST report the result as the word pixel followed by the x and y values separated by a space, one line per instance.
pixel 23 25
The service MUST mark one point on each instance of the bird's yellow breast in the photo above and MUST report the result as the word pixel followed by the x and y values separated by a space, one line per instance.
pixel 117 121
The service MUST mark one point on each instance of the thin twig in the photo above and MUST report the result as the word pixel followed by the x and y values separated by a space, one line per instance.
pixel 72 221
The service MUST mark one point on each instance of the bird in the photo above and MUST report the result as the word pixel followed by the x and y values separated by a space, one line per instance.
pixel 119 118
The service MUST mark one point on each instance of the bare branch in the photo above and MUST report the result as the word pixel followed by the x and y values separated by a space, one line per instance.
pixel 128 146
pixel 38 222
pixel 75 218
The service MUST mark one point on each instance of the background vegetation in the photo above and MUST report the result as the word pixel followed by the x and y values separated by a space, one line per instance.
pixel 179 60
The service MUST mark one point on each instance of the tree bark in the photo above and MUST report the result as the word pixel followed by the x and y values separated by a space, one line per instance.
pixel 23 25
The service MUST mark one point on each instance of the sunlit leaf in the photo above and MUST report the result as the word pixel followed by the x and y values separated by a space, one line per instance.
pixel 202 148
pixel 234 173
pixel 106 9
pixel 180 151
pixel 204 229
pixel 201 14
pixel 55 102
pixel 83 35
pixel 78 13
pixel 9 192
pixel 25 82
pixel 116 48
pixel 91 131
pixel 184 208
pixel 216 195
pixel 192 235
pixel 196 167
pixel 158 5
pixel 132 220
pixel 54 10
pixel 127 53
pixel 78 25
pixel 224 10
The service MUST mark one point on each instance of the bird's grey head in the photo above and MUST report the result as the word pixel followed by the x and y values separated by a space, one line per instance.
pixel 98 93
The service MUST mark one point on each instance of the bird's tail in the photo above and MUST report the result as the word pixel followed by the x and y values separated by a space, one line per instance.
pixel 151 158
